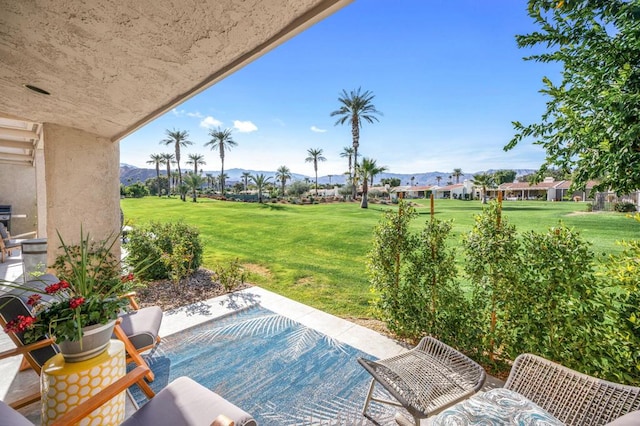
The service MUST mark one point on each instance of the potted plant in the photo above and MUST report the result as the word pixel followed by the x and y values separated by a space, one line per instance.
pixel 80 309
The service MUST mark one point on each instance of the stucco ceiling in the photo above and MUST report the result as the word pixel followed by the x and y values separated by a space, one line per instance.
pixel 112 66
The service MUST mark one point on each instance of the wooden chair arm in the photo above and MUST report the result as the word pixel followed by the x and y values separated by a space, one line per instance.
pixel 132 300
pixel 34 233
pixel 222 420
pixel 86 407
pixel 21 350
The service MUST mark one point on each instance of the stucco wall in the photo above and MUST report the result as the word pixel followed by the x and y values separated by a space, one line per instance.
pixel 18 188
pixel 82 181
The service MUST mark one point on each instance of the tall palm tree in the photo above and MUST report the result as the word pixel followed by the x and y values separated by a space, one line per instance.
pixel 260 181
pixel 209 180
pixel 412 179
pixel 167 158
pixel 221 140
pixel 157 160
pixel 438 179
pixel 365 170
pixel 330 176
pixel 245 177
pixel 177 138
pixel 315 155
pixel 456 174
pixel 355 107
pixel 283 173
pixel 193 182
pixel 347 152
pixel 483 180
pixel 196 160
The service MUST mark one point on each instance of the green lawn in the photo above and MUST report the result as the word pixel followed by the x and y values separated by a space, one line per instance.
pixel 316 253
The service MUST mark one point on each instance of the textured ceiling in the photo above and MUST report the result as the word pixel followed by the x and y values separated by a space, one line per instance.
pixel 113 66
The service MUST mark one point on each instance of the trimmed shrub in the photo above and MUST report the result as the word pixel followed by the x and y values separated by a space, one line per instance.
pixel 624 207
pixel 166 250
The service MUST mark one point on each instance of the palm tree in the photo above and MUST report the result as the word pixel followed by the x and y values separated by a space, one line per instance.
pixel 438 179
pixel 196 160
pixel 193 182
pixel 245 177
pixel 376 171
pixel 157 160
pixel 315 155
pixel 167 159
pixel 209 180
pixel 222 140
pixel 483 180
pixel 282 175
pixel 456 174
pixel 347 152
pixel 177 138
pixel 365 170
pixel 222 179
pixel 260 181
pixel 412 179
pixel 355 107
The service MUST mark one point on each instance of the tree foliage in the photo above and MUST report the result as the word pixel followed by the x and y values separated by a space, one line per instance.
pixel 592 120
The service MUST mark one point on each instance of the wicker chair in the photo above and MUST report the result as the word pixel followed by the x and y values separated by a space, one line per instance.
pixel 573 398
pixel 426 379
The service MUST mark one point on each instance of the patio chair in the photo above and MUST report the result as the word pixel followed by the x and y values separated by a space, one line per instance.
pixel 424 380
pixel 181 402
pixel 543 392
pixel 8 243
pixel 138 330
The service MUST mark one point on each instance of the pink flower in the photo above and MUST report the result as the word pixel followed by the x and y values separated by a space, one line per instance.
pixel 33 299
pixel 75 302
pixel 19 324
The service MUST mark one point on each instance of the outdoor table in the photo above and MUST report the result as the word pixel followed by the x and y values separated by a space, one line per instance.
pixel 66 384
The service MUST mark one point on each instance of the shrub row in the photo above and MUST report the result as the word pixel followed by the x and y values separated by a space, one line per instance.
pixel 530 292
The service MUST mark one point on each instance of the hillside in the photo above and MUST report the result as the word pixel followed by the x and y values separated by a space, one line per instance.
pixel 131 174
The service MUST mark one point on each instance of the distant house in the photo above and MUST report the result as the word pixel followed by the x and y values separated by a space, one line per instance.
pixel 411 192
pixel 548 190
pixel 455 191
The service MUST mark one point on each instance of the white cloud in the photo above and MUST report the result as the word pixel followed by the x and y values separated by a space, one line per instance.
pixel 244 126
pixel 317 130
pixel 209 122
pixel 183 112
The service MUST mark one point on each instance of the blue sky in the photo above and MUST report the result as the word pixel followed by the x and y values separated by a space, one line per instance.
pixel 447 76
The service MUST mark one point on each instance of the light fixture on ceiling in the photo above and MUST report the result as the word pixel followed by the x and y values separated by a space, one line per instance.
pixel 36 89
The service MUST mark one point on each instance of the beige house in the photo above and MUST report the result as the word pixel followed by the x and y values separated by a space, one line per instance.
pixel 78 76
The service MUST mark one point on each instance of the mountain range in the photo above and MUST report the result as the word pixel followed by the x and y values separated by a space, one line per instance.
pixel 130 174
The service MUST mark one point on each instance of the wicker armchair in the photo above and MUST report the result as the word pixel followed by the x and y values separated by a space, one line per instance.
pixel 573 398
pixel 426 379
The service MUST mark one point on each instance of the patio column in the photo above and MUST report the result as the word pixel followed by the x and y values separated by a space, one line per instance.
pixel 82 177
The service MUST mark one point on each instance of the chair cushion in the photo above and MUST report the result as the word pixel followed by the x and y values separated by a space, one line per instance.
pixel 10 417
pixel 142 326
pixel 185 402
pixel 630 419
pixel 496 407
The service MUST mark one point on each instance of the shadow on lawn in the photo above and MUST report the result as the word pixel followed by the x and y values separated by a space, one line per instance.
pixel 272 206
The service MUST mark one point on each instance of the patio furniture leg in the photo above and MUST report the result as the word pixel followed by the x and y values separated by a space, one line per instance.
pixel 368 399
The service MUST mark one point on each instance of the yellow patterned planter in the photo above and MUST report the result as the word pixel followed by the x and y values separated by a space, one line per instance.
pixel 65 385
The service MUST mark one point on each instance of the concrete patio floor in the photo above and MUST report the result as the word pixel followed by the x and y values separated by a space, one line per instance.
pixel 15 384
